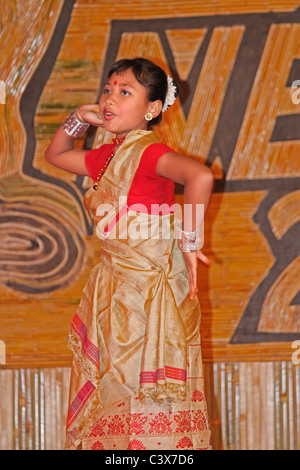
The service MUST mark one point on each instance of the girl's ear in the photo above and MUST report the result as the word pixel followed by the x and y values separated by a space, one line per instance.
pixel 155 108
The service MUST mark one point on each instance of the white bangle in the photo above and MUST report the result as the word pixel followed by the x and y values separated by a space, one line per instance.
pixel 188 241
pixel 74 127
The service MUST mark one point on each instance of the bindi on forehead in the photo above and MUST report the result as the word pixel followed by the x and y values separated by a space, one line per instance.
pixel 115 82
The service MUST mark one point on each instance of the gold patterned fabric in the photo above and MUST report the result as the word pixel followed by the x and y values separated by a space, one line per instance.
pixel 135 326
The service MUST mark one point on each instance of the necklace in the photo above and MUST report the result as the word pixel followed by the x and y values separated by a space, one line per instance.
pixel 116 141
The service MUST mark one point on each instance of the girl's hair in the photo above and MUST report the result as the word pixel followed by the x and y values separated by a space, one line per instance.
pixel 148 74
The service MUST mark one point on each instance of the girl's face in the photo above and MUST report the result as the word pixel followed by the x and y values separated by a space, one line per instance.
pixel 123 104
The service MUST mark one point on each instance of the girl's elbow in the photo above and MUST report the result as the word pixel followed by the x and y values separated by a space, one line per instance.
pixel 47 157
pixel 211 178
pixel 206 176
pixel 48 154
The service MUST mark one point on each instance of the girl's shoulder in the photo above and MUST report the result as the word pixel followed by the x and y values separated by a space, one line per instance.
pixel 94 158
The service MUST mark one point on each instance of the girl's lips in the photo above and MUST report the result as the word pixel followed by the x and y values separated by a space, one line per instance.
pixel 108 115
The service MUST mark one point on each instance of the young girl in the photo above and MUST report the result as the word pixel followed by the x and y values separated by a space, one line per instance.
pixel 136 379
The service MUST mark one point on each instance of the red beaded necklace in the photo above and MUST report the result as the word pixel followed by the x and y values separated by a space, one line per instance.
pixel 116 141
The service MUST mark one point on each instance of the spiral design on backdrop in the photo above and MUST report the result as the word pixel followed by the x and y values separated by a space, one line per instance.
pixel 41 248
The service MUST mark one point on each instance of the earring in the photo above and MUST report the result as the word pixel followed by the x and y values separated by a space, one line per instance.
pixel 148 117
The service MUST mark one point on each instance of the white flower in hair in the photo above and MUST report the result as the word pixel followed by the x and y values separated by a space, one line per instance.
pixel 171 94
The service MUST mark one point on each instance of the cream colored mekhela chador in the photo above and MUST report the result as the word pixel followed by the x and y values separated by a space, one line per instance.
pixel 136 379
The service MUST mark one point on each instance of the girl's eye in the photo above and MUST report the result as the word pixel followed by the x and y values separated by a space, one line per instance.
pixel 106 91
pixel 125 93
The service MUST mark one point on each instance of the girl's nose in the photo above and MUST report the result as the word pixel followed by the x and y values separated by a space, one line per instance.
pixel 111 98
pixel 109 101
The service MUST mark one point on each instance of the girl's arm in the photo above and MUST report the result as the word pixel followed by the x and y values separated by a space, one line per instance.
pixel 196 178
pixel 61 152
pixel 198 184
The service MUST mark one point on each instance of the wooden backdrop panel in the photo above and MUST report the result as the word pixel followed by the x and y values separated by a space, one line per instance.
pixel 252 406
pixel 235 65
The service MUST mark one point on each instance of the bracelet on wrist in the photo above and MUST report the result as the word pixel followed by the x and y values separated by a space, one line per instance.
pixel 73 126
pixel 77 112
pixel 188 241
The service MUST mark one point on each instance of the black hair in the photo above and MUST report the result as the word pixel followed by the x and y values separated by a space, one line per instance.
pixel 148 74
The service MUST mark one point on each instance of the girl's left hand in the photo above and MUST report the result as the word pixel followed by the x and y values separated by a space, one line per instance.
pixel 191 262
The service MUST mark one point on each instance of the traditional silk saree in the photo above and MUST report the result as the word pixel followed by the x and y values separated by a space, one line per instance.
pixel 136 380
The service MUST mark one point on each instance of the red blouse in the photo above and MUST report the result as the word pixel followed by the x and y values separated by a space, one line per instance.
pixel 147 187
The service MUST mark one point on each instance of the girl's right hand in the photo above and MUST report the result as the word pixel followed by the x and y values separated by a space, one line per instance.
pixel 90 113
pixel 61 151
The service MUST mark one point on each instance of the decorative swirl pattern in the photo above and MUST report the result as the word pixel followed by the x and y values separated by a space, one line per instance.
pixel 41 249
